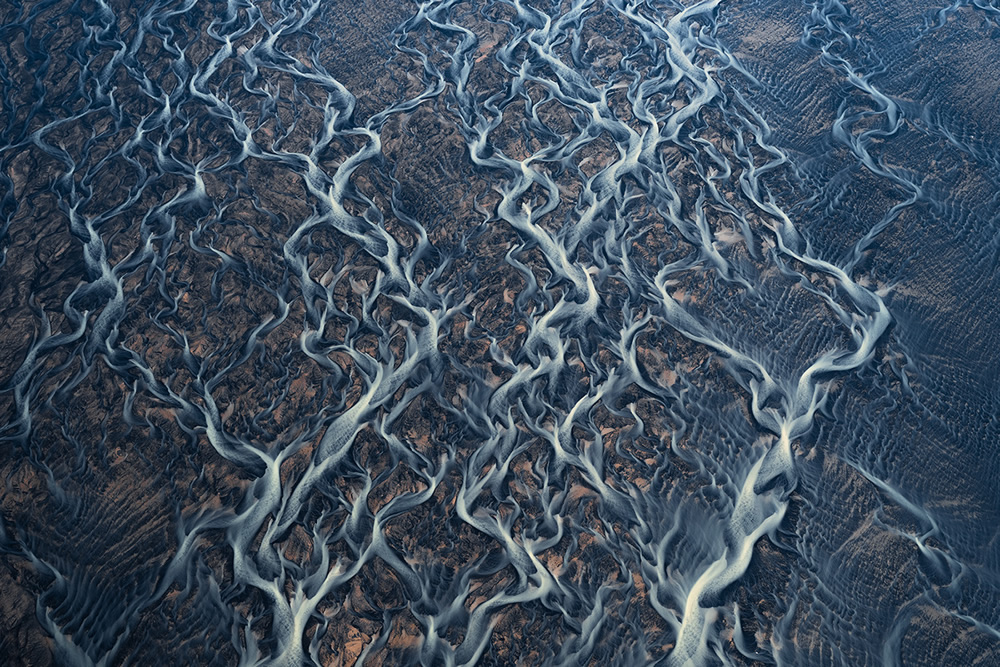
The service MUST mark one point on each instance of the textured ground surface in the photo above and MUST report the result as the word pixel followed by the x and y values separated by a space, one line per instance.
pixel 501 333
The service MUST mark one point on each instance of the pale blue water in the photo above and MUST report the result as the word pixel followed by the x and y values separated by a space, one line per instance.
pixel 500 333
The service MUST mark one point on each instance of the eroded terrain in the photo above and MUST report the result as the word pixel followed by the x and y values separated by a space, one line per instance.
pixel 503 333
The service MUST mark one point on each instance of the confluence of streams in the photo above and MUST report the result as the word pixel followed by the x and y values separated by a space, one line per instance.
pixel 617 403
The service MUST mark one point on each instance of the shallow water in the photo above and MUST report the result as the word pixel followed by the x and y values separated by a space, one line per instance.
pixel 500 333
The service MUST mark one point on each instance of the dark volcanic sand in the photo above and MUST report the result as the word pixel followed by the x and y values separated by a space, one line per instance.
pixel 501 333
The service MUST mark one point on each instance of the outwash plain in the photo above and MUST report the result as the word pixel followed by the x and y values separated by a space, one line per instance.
pixel 500 332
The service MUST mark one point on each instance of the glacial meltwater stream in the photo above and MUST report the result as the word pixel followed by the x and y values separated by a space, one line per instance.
pixel 501 332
